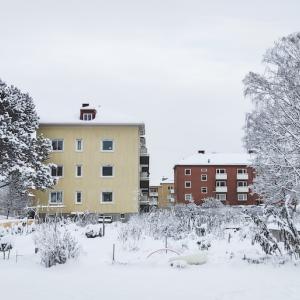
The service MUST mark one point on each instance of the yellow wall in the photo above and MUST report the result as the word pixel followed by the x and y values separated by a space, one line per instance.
pixel 163 193
pixel 125 159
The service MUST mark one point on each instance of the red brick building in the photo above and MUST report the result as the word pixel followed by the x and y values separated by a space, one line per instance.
pixel 225 176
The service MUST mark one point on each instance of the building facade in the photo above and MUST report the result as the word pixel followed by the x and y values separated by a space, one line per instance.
pixel 102 165
pixel 224 176
pixel 162 194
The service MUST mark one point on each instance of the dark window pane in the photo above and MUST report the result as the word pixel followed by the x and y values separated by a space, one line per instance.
pixel 107 171
pixel 107 196
pixel 107 145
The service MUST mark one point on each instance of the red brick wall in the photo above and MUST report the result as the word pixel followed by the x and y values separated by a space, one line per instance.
pixel 195 178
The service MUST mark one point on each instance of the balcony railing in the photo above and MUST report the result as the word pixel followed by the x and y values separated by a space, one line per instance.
pixel 144 176
pixel 242 176
pixel 153 194
pixel 242 189
pixel 143 150
pixel 144 199
pixel 221 176
pixel 221 189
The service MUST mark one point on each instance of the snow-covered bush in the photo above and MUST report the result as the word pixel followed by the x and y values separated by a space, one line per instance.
pixel 131 233
pixel 55 244
pixel 212 203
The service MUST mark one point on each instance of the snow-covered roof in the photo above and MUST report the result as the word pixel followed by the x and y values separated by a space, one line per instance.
pixel 216 159
pixel 159 182
pixel 71 116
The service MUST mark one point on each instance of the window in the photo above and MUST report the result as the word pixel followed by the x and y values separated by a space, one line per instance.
pixel 188 197
pixel 87 116
pixel 221 183
pixel 57 145
pixel 242 197
pixel 203 170
pixel 188 184
pixel 221 197
pixel 242 183
pixel 107 171
pixel 241 171
pixel 56 198
pixel 203 177
pixel 122 216
pixel 107 197
pixel 78 197
pixel 79 145
pixel 187 171
pixel 78 170
pixel 57 171
pixel 107 145
pixel 221 171
pixel 204 190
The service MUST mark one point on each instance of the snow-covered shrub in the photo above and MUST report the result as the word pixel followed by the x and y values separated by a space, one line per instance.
pixel 212 202
pixel 55 244
pixel 131 233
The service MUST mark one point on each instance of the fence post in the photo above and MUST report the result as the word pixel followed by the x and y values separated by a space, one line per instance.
pixel 166 244
pixel 113 256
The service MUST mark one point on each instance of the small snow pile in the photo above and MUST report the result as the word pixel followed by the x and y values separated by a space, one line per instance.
pixel 192 259
pixel 55 244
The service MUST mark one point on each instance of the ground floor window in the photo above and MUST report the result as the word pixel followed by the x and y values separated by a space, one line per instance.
pixel 221 197
pixel 56 197
pixel 78 197
pixel 242 197
pixel 188 197
pixel 107 197
pixel 204 190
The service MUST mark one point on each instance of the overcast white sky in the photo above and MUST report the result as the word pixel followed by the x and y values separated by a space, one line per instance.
pixel 176 65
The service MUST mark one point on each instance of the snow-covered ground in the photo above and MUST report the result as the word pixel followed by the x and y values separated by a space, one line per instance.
pixel 134 276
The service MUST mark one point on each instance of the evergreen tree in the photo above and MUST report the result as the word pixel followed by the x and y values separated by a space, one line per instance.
pixel 22 154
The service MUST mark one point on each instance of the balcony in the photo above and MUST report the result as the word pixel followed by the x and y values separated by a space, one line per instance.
pixel 143 150
pixel 144 199
pixel 221 176
pixel 242 176
pixel 153 194
pixel 221 189
pixel 242 189
pixel 144 176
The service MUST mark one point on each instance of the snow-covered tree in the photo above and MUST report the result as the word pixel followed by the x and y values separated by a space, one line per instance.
pixel 22 154
pixel 273 131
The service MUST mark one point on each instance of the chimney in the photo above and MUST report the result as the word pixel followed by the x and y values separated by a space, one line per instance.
pixel 201 151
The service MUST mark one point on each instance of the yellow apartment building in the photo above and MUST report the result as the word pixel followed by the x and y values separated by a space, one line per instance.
pixel 102 165
pixel 161 193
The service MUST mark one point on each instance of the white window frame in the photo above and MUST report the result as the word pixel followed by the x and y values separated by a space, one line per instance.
pixel 204 190
pixel 87 116
pixel 57 176
pixel 105 176
pixel 106 202
pixel 76 171
pixel 243 182
pixel 186 183
pixel 224 196
pixel 243 171
pixel 204 170
pixel 186 171
pixel 244 196
pixel 58 140
pixel 107 140
pixel 204 176
pixel 186 196
pixel 221 171
pixel 56 203
pixel 219 183
pixel 77 192
pixel 76 145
